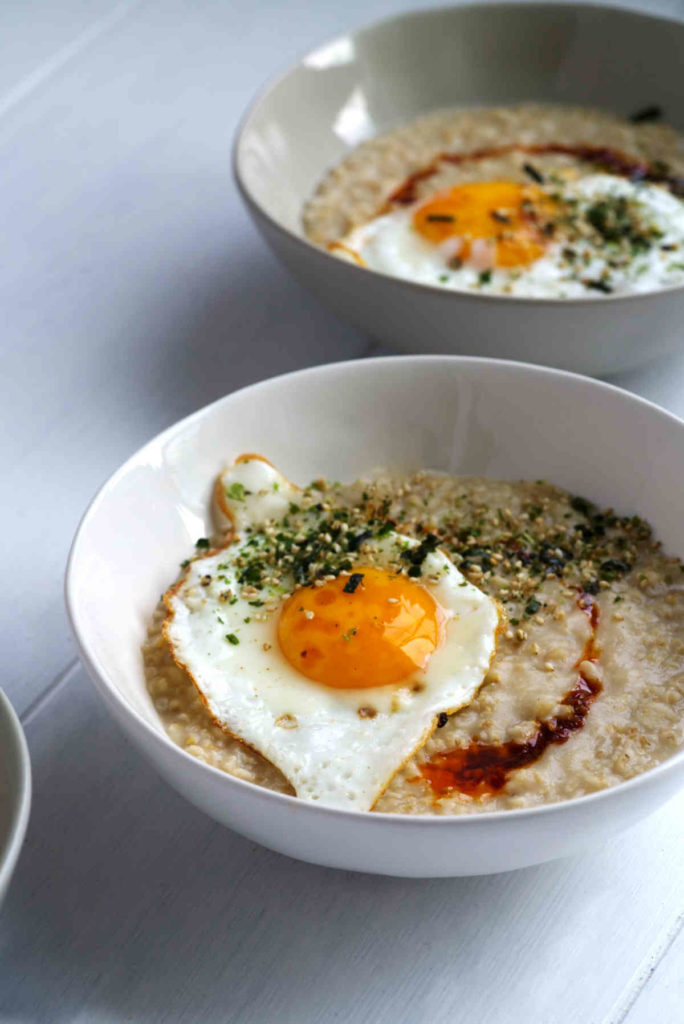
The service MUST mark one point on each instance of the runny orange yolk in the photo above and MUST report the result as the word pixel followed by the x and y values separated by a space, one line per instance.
pixel 350 633
pixel 508 216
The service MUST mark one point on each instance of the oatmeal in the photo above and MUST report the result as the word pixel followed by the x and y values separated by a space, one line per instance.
pixel 585 689
pixel 534 201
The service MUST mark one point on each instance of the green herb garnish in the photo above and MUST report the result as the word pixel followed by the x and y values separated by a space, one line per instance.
pixel 236 491
pixel 646 114
pixel 533 173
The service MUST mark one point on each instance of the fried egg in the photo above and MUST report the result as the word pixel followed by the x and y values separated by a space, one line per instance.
pixel 599 234
pixel 334 673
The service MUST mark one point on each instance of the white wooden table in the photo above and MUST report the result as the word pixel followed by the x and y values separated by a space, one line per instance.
pixel 133 290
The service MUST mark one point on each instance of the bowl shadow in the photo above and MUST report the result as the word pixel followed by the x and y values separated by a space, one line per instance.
pixel 127 902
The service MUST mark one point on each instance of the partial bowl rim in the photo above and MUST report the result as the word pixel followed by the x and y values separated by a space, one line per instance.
pixel 305 244
pixel 110 693
pixel 20 798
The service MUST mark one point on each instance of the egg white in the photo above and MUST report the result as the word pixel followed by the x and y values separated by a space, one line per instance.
pixel 250 493
pixel 392 245
pixel 314 733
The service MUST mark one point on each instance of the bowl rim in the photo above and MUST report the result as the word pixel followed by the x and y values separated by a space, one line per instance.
pixel 21 797
pixel 110 693
pixel 368 28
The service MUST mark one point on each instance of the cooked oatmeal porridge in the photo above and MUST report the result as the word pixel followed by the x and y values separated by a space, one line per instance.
pixel 533 200
pixel 585 687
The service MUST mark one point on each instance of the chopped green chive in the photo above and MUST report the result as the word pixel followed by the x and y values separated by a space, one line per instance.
pixel 236 491
pixel 646 114
pixel 533 173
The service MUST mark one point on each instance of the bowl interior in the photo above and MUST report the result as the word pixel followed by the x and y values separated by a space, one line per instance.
pixel 367 82
pixel 15 789
pixel 460 415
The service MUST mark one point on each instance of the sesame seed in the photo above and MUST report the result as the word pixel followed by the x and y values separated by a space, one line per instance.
pixel 590 672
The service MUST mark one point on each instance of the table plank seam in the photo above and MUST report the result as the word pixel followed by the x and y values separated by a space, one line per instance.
pixel 645 972
pixel 45 71
pixel 36 706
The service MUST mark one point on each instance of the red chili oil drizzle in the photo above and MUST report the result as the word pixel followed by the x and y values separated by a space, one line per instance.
pixel 483 769
pixel 613 160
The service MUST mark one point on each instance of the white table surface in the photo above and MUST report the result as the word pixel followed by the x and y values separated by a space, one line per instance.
pixel 133 290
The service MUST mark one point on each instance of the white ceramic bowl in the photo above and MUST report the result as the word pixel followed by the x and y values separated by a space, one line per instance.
pixel 463 415
pixel 15 791
pixel 369 81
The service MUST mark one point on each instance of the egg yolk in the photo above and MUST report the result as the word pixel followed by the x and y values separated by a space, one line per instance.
pixel 512 218
pixel 371 628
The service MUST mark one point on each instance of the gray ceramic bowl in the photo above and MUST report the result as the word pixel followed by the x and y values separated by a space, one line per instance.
pixel 15 791
pixel 369 81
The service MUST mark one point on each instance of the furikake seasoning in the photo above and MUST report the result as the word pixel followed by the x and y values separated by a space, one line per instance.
pixel 510 554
